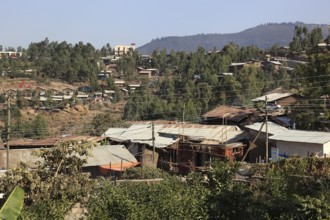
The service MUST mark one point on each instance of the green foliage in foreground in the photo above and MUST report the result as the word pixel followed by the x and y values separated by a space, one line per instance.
pixel 55 185
pixel 144 173
pixel 171 198
pixel 293 188
pixel 289 189
pixel 13 205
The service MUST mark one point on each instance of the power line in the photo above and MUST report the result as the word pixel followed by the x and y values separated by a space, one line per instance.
pixel 247 83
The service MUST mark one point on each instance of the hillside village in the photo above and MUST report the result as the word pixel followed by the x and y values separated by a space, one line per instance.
pixel 230 131
pixel 259 106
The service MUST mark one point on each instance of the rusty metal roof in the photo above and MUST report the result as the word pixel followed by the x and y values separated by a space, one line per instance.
pixel 200 126
pixel 47 142
pixel 230 113
pixel 154 121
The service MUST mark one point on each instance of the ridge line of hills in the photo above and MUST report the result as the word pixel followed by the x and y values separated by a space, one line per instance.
pixel 262 36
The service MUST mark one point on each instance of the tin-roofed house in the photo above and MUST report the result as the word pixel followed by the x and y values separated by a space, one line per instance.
pixel 142 140
pixel 302 143
pixel 200 144
pixel 109 160
pixel 277 98
pixel 229 115
pixel 180 148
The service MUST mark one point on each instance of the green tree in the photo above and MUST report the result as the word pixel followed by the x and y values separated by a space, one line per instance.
pixel 228 91
pixel 20 101
pixel 102 122
pixel 39 127
pixel 203 96
pixel 251 85
pixel 56 184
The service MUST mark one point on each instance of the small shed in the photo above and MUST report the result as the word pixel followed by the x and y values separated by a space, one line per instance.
pixel 145 73
pixel 278 96
pixel 236 67
pixel 109 158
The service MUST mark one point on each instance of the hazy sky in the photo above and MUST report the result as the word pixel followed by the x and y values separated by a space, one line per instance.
pixel 139 21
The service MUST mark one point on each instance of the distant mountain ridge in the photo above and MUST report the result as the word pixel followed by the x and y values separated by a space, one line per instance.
pixel 262 36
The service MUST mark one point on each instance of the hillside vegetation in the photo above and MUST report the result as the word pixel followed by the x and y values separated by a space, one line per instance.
pixel 185 85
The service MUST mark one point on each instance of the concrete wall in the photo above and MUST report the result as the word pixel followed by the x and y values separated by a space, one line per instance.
pixel 326 149
pixel 300 149
pixel 16 156
pixel 147 158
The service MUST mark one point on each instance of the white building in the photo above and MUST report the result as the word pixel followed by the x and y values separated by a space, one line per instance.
pixel 302 143
pixel 124 49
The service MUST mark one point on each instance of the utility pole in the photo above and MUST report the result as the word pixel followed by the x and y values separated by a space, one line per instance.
pixel 184 106
pixel 183 110
pixel 256 137
pixel 266 120
pixel 8 128
pixel 153 141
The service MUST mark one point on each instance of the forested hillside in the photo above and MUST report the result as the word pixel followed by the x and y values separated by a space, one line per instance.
pixel 187 84
pixel 193 82
pixel 262 36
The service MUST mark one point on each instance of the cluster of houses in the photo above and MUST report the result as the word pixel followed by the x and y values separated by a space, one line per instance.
pixel 110 69
pixel 81 94
pixel 42 94
pixel 235 133
pixel 10 54
pixel 269 63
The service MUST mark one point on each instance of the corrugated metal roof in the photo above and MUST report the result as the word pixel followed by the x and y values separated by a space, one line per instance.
pixel 282 120
pixel 230 113
pixel 114 132
pixel 208 132
pixel 200 126
pixel 315 137
pixel 237 64
pixel 145 71
pixel 140 133
pixel 275 62
pixel 51 141
pixel 163 122
pixel 272 128
pixel 272 97
pixel 166 135
pixel 107 154
pixel 227 74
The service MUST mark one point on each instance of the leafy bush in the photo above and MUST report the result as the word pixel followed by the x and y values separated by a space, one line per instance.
pixel 170 198
pixel 143 173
